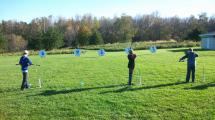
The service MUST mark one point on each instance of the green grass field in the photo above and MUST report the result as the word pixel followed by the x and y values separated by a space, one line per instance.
pixel 92 87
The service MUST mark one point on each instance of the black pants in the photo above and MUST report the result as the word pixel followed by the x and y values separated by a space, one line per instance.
pixel 130 75
pixel 190 69
pixel 24 81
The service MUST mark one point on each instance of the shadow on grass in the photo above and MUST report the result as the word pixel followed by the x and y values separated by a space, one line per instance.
pixel 201 87
pixel 123 89
pixel 128 88
pixel 54 92
pixel 185 49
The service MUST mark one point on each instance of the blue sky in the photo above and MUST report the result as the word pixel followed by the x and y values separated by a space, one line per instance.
pixel 26 10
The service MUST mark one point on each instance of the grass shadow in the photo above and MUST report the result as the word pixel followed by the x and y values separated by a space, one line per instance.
pixel 55 92
pixel 201 87
pixel 128 88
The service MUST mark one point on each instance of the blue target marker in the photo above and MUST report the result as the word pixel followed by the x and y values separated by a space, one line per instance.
pixel 101 52
pixel 128 49
pixel 42 53
pixel 153 49
pixel 77 52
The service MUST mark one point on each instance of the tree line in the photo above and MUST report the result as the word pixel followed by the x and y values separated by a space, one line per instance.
pixel 49 33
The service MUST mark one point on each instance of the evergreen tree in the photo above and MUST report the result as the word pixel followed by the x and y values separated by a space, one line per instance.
pixel 96 38
pixel 53 38
pixel 194 35
pixel 35 41
pixel 3 42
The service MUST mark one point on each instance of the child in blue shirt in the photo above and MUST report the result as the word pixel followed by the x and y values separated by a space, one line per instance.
pixel 25 62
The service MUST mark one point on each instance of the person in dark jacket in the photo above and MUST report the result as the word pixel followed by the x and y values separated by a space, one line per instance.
pixel 191 64
pixel 131 65
pixel 25 62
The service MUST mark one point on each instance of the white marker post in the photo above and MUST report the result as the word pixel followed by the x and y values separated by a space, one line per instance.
pixel 82 83
pixel 139 78
pixel 39 83
pixel 203 73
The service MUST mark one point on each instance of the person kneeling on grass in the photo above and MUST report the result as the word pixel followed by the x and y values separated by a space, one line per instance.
pixel 131 65
pixel 25 62
pixel 191 64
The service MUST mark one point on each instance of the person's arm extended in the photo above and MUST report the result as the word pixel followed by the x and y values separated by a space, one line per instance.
pixel 29 62
pixel 182 58
pixel 20 61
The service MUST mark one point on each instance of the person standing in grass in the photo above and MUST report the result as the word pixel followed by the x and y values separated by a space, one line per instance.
pixel 191 64
pixel 25 62
pixel 131 65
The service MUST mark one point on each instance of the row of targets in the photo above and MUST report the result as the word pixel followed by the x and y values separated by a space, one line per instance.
pixel 101 52
pixel 152 49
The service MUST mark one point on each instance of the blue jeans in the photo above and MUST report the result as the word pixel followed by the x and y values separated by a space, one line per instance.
pixel 190 69
pixel 24 81
pixel 130 75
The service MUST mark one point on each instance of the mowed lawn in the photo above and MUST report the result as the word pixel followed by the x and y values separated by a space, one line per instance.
pixel 92 87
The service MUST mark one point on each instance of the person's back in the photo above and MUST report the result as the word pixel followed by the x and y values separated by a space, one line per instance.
pixel 131 58
pixel 191 63
pixel 191 58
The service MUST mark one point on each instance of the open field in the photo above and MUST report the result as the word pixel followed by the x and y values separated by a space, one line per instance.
pixel 93 87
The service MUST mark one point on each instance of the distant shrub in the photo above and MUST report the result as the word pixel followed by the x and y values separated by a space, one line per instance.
pixel 143 45
pixel 119 47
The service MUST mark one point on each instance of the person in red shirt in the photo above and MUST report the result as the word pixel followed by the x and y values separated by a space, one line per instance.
pixel 131 65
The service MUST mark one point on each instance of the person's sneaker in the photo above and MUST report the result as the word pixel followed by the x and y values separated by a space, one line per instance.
pixel 29 86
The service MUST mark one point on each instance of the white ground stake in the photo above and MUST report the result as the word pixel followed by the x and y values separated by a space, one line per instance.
pixel 82 83
pixel 39 80
pixel 39 83
pixel 139 78
pixel 203 73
